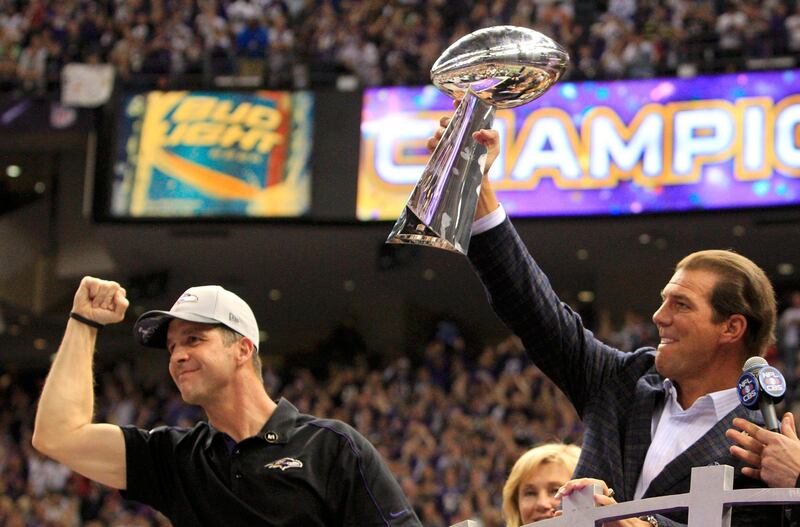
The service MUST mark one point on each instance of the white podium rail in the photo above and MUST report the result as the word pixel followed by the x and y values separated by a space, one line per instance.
pixel 709 502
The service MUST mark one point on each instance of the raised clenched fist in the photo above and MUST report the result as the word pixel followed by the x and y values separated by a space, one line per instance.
pixel 100 300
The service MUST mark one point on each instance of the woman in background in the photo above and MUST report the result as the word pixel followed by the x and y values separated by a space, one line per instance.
pixel 529 492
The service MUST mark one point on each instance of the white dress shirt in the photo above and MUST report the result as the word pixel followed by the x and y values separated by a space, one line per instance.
pixel 674 429
pixel 490 221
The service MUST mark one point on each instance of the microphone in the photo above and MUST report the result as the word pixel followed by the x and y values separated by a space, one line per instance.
pixel 762 386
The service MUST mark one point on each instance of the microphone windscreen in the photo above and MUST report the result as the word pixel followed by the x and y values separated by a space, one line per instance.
pixel 754 363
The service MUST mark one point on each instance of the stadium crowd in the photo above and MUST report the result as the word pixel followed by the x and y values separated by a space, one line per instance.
pixel 308 43
pixel 450 423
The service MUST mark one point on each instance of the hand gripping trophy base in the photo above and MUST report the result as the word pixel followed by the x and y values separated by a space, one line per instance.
pixel 440 211
pixel 494 67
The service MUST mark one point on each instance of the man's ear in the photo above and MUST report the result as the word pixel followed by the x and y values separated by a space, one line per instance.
pixel 734 329
pixel 244 350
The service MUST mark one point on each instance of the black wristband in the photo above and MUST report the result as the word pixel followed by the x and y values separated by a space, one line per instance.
pixel 82 319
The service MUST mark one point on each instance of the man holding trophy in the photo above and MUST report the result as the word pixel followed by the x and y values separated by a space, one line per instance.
pixel 650 415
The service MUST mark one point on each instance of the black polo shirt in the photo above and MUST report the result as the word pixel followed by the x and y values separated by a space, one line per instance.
pixel 298 471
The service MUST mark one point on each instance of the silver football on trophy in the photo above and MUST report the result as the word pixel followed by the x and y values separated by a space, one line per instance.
pixel 495 67
pixel 505 66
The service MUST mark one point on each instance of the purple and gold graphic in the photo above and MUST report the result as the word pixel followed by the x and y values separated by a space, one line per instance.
pixel 606 148
pixel 188 154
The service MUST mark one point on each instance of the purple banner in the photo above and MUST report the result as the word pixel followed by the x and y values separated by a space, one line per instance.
pixel 606 148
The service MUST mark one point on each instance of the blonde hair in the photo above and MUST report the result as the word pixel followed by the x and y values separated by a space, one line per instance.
pixel 530 461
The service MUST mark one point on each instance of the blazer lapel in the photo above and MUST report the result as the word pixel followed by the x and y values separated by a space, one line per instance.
pixel 649 393
pixel 711 449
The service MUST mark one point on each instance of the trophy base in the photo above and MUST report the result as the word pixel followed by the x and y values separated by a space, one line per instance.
pixel 409 229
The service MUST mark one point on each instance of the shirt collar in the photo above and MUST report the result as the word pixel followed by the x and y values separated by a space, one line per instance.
pixel 278 429
pixel 723 401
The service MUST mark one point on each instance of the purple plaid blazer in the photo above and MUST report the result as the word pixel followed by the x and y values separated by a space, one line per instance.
pixel 613 392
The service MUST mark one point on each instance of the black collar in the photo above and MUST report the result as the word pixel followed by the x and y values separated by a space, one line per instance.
pixel 278 429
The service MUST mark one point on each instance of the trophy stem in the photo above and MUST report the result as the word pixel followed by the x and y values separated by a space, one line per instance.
pixel 441 208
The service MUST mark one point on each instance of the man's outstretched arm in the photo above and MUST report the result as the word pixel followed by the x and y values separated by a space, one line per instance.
pixel 64 430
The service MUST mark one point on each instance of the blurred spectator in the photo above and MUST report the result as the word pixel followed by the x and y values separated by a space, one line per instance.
pixel 127 55
pixel 44 474
pixel 157 56
pixel 251 48
pixel 9 56
pixel 281 54
pixel 32 65
pixel 241 12
pixel 622 9
pixel 789 340
pixel 13 23
pixel 612 60
pixel 730 28
pixel 639 57
pixel 698 33
pixel 792 25
pixel 775 36
pixel 586 67
pixel 218 48
pixel 181 44
pixel 789 323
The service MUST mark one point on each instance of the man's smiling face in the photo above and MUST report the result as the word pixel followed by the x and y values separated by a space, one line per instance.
pixel 688 330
